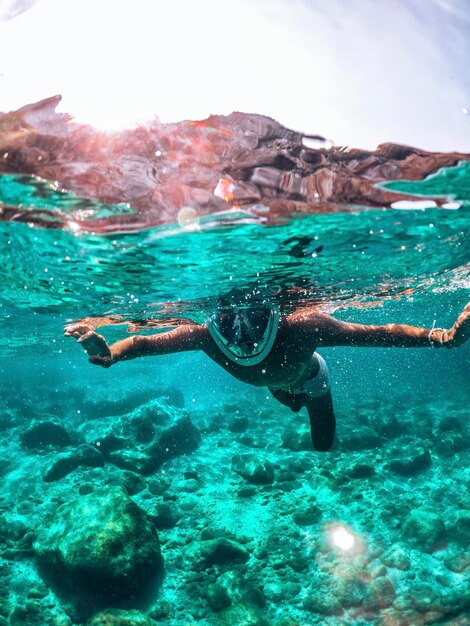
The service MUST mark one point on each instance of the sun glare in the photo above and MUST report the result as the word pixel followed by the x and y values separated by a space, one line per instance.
pixel 342 538
pixel 118 65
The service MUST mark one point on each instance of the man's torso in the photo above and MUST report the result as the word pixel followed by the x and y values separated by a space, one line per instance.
pixel 288 361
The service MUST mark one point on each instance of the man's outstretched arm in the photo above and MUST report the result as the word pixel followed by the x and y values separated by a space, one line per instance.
pixel 325 330
pixel 184 338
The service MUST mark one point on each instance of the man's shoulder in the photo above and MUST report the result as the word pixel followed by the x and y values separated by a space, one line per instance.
pixel 307 316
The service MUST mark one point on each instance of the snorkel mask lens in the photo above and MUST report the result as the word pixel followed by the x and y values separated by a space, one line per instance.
pixel 244 334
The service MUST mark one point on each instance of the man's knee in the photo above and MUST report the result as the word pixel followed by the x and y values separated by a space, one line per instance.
pixel 292 400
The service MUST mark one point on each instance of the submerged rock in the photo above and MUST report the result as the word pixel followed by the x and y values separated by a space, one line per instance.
pixel 396 557
pixel 158 485
pixel 110 442
pixel 242 615
pixel 253 469
pixel 411 463
pixel 423 529
pixel 60 467
pixel 165 515
pixel 133 483
pixel 363 438
pixel 142 442
pixel 134 460
pixel 380 594
pixel 388 426
pixel 39 435
pixel 307 515
pixel 296 440
pixel 64 464
pixel 322 601
pixel 350 591
pixel 220 551
pixel 7 418
pixel 460 530
pixel 218 598
pixel 238 424
pixel 181 438
pixel 116 617
pixel 451 443
pixel 101 545
pixel 456 559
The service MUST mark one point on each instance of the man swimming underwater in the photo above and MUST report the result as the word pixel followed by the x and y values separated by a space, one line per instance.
pixel 259 346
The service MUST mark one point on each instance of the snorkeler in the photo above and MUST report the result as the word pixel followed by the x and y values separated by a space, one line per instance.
pixel 259 346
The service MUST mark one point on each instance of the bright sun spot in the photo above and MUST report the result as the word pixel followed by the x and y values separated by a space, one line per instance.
pixel 120 64
pixel 312 66
pixel 342 538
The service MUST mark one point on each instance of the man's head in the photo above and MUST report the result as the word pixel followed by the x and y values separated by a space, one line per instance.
pixel 244 334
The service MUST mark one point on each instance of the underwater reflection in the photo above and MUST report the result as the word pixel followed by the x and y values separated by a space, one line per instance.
pixel 164 173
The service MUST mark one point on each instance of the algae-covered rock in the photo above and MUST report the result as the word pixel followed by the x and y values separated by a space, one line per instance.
pixel 253 469
pixel 220 551
pixel 181 438
pixel 361 470
pixel 423 529
pixel 397 558
pixel 380 594
pixel 240 590
pixel 350 591
pixel 388 426
pixel 411 463
pixel 460 530
pixel 65 463
pixel 450 443
pixel 165 515
pixel 116 617
pixel 242 615
pixel 323 602
pixel 456 559
pixel 238 424
pixel 218 598
pixel 142 441
pixel 45 433
pixel 60 466
pixel 134 460
pixel 132 482
pixel 361 438
pixel 307 514
pixel 101 543
pixel 296 440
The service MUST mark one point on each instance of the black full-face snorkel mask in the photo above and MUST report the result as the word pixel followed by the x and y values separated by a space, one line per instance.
pixel 244 334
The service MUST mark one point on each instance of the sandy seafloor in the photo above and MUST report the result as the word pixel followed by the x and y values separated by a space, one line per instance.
pixel 245 510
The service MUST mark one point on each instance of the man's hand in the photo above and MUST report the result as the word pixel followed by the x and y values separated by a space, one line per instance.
pixel 94 345
pixel 460 331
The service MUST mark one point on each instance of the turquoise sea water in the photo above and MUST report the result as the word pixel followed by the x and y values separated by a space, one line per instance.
pixel 254 527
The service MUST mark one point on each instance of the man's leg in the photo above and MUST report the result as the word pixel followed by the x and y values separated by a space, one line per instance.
pixel 320 411
pixel 322 421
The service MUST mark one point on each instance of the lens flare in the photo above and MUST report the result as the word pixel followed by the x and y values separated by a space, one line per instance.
pixel 188 218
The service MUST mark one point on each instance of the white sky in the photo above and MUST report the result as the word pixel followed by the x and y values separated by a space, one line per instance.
pixel 358 71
